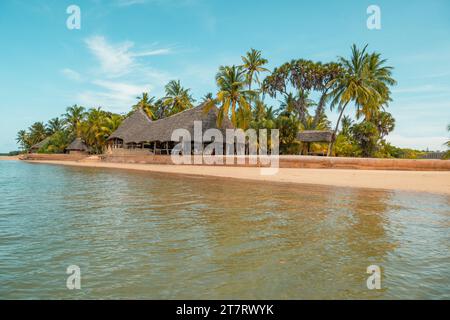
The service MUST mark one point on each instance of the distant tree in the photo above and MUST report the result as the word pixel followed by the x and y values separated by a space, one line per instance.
pixel 448 142
pixel 146 104
pixel 365 82
pixel 73 118
pixel 295 80
pixel 207 97
pixel 54 125
pixel 37 133
pixel 253 64
pixel 232 96
pixel 22 139
pixel 177 98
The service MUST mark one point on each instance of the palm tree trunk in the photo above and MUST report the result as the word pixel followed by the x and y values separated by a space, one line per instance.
pixel 333 139
pixel 320 108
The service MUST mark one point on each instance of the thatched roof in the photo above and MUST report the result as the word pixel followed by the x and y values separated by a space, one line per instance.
pixel 138 129
pixel 77 145
pixel 39 145
pixel 315 136
pixel 132 126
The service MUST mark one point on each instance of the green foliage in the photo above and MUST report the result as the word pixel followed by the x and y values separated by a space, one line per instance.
pixel 346 147
pixel 177 99
pixel 97 127
pixel 232 96
pixel 147 105
pixel 305 87
pixel 57 143
pixel 288 127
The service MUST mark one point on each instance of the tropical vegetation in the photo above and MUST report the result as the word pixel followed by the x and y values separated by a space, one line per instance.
pixel 293 97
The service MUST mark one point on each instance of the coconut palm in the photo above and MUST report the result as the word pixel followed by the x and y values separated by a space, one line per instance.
pixel 146 104
pixel 380 78
pixel 177 98
pixel 111 124
pixel 22 139
pixel 54 125
pixel 37 132
pixel 253 64
pixel 207 97
pixel 232 96
pixel 365 83
pixel 448 142
pixel 73 118
pixel 347 123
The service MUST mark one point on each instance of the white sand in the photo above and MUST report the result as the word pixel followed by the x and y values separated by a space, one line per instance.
pixel 421 181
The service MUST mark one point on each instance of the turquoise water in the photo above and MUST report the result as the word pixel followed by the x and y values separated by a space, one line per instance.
pixel 143 235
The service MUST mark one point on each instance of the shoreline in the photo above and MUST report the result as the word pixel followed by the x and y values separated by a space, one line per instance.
pixel 437 182
pixel 9 158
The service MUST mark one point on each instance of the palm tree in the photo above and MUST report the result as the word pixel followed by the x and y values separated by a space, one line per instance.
pixel 207 97
pixel 73 118
pixel 37 132
pixel 448 142
pixel 364 82
pixel 177 98
pixel 385 123
pixel 232 94
pixel 253 65
pixel 22 139
pixel 54 125
pixel 297 104
pixel 347 123
pixel 111 124
pixel 380 78
pixel 146 104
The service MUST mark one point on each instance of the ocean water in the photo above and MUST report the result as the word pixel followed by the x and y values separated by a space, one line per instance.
pixel 153 236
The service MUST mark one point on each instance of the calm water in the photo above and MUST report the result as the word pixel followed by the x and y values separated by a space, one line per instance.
pixel 141 235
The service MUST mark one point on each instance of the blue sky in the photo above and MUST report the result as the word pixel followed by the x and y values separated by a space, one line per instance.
pixel 125 47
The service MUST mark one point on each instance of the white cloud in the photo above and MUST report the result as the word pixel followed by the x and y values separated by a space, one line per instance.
pixel 114 60
pixel 118 60
pixel 126 3
pixel 121 76
pixel 71 74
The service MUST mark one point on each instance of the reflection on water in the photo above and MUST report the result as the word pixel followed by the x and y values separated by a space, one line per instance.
pixel 142 235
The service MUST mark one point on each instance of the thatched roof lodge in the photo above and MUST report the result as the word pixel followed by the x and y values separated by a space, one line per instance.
pixel 35 148
pixel 140 134
pixel 77 146
pixel 315 136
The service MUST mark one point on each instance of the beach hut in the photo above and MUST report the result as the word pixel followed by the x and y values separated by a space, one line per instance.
pixel 35 148
pixel 139 134
pixel 77 147
pixel 310 136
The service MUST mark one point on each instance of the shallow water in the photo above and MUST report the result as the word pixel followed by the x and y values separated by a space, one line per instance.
pixel 144 235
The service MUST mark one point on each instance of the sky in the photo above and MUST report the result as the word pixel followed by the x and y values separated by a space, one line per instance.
pixel 126 47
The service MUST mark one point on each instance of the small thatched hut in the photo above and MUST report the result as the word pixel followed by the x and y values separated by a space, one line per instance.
pixel 138 132
pixel 35 148
pixel 77 146
pixel 310 136
pixel 315 136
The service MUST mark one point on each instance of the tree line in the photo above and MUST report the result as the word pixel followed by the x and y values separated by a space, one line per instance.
pixel 303 91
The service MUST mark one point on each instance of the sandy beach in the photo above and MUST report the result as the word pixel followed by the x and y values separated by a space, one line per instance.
pixel 419 181
pixel 6 158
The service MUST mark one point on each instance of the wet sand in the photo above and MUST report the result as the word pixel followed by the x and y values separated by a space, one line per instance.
pixel 420 181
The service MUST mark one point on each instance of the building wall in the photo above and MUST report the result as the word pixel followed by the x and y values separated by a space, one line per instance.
pixel 295 161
